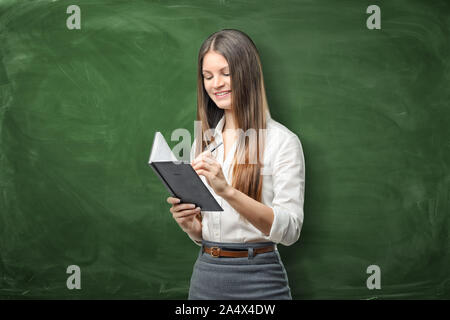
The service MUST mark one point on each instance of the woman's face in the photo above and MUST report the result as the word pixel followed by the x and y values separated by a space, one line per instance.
pixel 216 79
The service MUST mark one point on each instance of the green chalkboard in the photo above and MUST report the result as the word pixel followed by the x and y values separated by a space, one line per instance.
pixel 79 108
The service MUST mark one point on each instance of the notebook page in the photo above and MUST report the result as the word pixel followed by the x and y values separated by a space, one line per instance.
pixel 161 150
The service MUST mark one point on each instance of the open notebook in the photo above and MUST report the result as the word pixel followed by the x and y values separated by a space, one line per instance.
pixel 180 178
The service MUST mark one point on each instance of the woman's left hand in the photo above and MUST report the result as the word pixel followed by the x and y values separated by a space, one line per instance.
pixel 205 165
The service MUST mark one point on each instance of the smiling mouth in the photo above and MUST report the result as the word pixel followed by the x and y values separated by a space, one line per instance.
pixel 222 94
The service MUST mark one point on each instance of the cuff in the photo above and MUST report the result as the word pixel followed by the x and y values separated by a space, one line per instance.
pixel 197 242
pixel 280 221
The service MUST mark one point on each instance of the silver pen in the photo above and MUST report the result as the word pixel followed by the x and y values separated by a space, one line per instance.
pixel 213 149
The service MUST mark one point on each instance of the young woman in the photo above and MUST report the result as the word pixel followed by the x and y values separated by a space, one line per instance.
pixel 257 176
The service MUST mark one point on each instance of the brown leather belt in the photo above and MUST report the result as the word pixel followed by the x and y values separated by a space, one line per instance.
pixel 219 252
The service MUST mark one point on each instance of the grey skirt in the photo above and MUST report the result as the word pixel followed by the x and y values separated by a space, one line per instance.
pixel 258 277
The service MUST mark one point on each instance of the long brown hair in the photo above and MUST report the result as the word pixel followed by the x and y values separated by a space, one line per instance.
pixel 249 104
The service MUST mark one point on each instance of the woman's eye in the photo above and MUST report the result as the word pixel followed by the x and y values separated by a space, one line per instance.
pixel 225 74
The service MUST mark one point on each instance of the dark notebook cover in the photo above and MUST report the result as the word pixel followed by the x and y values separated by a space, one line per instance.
pixel 184 183
pixel 179 178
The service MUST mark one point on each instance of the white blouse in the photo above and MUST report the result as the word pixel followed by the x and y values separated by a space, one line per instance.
pixel 282 190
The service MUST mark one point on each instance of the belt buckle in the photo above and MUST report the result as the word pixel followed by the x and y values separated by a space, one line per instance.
pixel 215 252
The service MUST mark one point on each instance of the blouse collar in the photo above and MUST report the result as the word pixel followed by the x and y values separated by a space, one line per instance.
pixel 219 127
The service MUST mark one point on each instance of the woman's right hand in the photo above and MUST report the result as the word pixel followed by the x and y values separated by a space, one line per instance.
pixel 187 215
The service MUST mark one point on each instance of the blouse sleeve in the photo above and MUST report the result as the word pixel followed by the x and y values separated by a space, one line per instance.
pixel 288 187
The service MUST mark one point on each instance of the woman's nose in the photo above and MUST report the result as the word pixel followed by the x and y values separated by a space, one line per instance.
pixel 218 82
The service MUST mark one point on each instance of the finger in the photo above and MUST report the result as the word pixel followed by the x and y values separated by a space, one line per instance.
pixel 204 173
pixel 209 159
pixel 203 165
pixel 182 206
pixel 172 200
pixel 176 209
pixel 199 217
pixel 212 169
pixel 204 155
pixel 186 213
pixel 182 220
